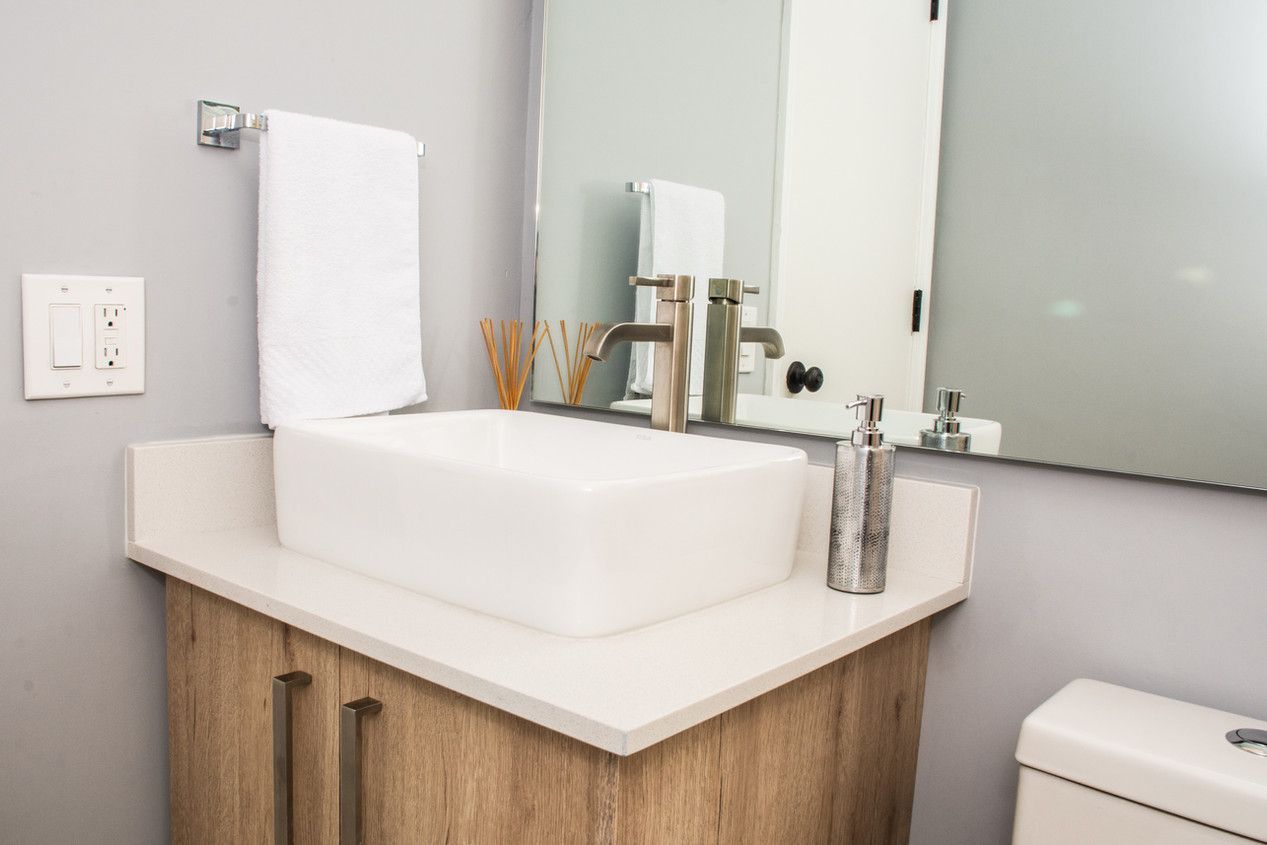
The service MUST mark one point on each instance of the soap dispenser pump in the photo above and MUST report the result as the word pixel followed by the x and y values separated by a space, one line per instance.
pixel 861 505
pixel 945 433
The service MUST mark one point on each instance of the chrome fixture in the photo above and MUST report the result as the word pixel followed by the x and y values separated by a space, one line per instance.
pixel 945 433
pixel 671 334
pixel 722 336
pixel 638 188
pixel 221 125
pixel 1252 740
pixel 862 504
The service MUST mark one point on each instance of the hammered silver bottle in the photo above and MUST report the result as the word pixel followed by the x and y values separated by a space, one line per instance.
pixel 861 504
pixel 945 433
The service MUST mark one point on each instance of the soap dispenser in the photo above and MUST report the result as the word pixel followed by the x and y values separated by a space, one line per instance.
pixel 945 433
pixel 861 504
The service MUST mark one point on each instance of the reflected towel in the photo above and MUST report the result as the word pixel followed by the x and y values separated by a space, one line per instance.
pixel 682 231
pixel 338 277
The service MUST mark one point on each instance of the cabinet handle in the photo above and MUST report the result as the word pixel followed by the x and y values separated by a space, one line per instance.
pixel 351 829
pixel 283 765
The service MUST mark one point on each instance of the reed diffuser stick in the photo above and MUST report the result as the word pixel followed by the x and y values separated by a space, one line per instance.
pixel 512 366
pixel 575 369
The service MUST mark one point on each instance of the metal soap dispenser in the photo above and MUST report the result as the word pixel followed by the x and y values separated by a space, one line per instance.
pixel 945 433
pixel 861 504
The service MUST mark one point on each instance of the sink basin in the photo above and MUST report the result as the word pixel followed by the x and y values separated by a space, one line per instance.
pixel 574 527
pixel 808 416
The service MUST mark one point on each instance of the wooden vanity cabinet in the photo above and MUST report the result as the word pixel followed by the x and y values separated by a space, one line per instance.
pixel 829 757
pixel 221 660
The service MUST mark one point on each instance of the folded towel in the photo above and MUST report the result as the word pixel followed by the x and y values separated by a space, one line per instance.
pixel 338 270
pixel 682 231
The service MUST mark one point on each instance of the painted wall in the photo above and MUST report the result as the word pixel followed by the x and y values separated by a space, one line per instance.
pixel 1079 575
pixel 99 173
pixel 647 90
pixel 1099 235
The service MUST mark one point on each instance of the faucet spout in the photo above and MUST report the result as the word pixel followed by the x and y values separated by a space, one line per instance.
pixel 769 338
pixel 606 336
pixel 671 334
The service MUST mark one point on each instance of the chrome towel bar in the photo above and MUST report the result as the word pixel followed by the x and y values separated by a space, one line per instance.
pixel 220 125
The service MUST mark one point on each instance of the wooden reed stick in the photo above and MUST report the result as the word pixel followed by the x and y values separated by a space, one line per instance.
pixel 486 328
pixel 510 361
pixel 574 371
pixel 555 355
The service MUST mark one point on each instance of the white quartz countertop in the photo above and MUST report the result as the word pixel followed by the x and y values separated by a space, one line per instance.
pixel 201 511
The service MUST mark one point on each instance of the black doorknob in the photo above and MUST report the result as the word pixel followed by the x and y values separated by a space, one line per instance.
pixel 799 378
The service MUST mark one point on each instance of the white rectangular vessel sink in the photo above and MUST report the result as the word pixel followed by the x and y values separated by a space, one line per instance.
pixel 574 527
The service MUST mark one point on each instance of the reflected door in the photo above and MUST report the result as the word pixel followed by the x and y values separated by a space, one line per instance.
pixel 858 194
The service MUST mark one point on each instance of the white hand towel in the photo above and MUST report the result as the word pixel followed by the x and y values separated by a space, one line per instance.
pixel 683 231
pixel 338 270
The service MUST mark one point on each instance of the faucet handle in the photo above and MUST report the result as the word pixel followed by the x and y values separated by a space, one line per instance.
pixel 672 288
pixel 651 281
pixel 730 290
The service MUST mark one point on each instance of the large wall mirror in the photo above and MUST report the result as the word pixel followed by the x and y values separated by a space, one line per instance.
pixel 1072 237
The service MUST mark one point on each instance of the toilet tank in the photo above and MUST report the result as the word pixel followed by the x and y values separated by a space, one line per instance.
pixel 1104 764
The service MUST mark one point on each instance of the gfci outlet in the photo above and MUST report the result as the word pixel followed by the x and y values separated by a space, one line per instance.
pixel 111 341
pixel 83 335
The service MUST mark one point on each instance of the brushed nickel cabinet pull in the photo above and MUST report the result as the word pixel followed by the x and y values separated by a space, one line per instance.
pixel 283 763
pixel 351 827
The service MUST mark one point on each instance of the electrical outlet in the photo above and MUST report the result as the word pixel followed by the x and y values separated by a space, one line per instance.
pixel 82 335
pixel 111 342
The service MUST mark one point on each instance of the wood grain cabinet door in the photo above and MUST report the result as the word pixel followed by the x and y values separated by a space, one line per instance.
pixel 221 661
pixel 439 767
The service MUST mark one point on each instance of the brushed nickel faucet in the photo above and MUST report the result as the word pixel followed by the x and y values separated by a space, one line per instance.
pixel 671 334
pixel 722 335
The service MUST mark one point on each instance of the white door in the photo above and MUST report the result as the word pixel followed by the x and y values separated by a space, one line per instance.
pixel 858 194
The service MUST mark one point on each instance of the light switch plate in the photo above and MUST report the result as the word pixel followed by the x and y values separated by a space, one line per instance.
pixel 127 375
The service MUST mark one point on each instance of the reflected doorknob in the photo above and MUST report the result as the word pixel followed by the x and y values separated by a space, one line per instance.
pixel 799 378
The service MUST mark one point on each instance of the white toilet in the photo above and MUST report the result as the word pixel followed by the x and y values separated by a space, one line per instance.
pixel 1106 765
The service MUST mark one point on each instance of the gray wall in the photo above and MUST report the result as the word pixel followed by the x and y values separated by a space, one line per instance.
pixel 1079 575
pixel 1102 212
pixel 99 173
pixel 647 90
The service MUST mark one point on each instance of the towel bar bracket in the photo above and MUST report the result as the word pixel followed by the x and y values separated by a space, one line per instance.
pixel 218 124
pixel 221 125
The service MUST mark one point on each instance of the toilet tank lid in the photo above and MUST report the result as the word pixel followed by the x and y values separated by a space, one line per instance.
pixel 1152 750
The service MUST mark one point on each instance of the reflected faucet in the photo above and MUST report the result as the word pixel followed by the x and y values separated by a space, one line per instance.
pixel 671 334
pixel 722 336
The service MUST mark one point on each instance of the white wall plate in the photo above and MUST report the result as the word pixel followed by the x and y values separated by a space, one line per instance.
pixel 104 357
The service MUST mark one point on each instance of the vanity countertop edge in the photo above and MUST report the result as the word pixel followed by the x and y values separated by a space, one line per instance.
pixel 202 511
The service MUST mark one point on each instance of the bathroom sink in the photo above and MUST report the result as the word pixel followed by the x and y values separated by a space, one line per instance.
pixel 574 527
pixel 808 416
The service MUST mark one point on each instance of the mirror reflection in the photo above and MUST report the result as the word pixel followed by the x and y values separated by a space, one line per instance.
pixel 1085 290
